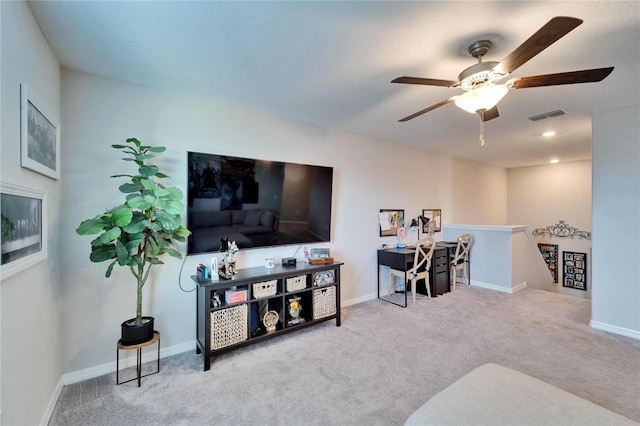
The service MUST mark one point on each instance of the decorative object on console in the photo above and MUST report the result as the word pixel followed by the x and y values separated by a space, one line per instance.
pixel 294 308
pixel 288 261
pixel 435 221
pixel 269 263
pixel 562 230
pixel 270 320
pixel 320 256
pixel 138 232
pixel 227 268
pixel 390 221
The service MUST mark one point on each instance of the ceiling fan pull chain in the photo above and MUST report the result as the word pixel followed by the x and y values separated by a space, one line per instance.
pixel 481 128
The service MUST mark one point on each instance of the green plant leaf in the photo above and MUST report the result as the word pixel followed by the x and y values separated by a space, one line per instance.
pixel 168 221
pixel 102 253
pixel 155 261
pixel 110 235
pixel 137 224
pixel 161 175
pixel 128 188
pixel 182 232
pixel 173 207
pixel 134 141
pixel 149 184
pixel 139 203
pixel 157 149
pixel 119 146
pixel 92 226
pixel 122 253
pixel 122 215
pixel 148 170
pixel 110 269
pixel 173 252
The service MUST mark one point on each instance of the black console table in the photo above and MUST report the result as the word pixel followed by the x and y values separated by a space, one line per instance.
pixel 260 303
pixel 401 259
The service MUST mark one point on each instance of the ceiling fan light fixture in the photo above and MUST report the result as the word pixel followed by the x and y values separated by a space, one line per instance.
pixel 481 98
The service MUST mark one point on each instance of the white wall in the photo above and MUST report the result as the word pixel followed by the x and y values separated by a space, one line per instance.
pixel 368 175
pixel 541 196
pixel 31 300
pixel 616 221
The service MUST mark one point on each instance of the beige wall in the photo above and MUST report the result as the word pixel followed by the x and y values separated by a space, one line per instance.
pixel 542 196
pixel 31 344
pixel 368 175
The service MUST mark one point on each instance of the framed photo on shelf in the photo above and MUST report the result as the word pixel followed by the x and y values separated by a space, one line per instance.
pixel 434 215
pixel 24 228
pixel 39 136
pixel 574 272
pixel 390 221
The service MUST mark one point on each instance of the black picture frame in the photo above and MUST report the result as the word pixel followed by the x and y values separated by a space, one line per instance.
pixel 550 255
pixel 389 221
pixel 434 215
pixel 574 270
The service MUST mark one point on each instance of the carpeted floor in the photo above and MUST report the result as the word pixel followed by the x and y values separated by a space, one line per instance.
pixel 377 368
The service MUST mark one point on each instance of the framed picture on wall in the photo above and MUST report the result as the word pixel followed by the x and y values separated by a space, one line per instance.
pixel 550 255
pixel 39 136
pixel 435 216
pixel 390 221
pixel 24 228
pixel 574 270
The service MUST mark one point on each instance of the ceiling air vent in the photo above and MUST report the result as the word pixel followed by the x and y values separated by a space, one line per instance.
pixel 549 114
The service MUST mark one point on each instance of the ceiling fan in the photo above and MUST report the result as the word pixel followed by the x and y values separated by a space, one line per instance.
pixel 480 81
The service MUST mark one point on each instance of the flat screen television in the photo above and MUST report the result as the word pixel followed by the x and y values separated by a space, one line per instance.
pixel 256 203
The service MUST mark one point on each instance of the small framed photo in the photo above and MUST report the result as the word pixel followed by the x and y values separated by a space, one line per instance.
pixel 390 222
pixel 434 215
pixel 39 136
pixel 24 228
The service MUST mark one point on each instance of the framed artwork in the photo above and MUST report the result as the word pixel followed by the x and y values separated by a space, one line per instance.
pixel 574 272
pixel 39 136
pixel 434 215
pixel 24 228
pixel 550 255
pixel 390 222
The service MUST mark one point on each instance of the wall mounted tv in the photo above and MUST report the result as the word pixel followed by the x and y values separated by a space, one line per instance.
pixel 256 203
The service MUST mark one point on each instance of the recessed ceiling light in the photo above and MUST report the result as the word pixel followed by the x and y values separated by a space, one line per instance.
pixel 549 134
pixel 554 161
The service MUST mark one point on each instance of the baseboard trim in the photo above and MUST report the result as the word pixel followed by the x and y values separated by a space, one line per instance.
pixel 46 416
pixel 130 361
pixel 634 334
pixel 511 290
pixel 357 300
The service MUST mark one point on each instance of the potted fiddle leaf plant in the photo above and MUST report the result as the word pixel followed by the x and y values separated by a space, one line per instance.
pixel 138 232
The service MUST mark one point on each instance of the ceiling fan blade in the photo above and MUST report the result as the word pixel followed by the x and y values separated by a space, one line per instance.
pixel 551 32
pixel 585 76
pixel 425 81
pixel 432 107
pixel 490 114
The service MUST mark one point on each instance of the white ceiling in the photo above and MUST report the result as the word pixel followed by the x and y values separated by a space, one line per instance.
pixel 331 63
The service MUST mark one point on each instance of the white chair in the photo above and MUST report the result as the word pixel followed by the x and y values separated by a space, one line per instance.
pixel 460 261
pixel 419 269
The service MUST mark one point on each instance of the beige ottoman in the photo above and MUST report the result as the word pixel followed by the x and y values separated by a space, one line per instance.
pixel 496 395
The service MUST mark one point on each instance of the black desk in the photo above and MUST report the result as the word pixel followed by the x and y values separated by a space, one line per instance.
pixel 401 259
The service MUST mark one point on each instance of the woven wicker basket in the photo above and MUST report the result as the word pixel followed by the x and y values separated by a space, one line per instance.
pixel 228 326
pixel 265 289
pixel 324 302
pixel 297 283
